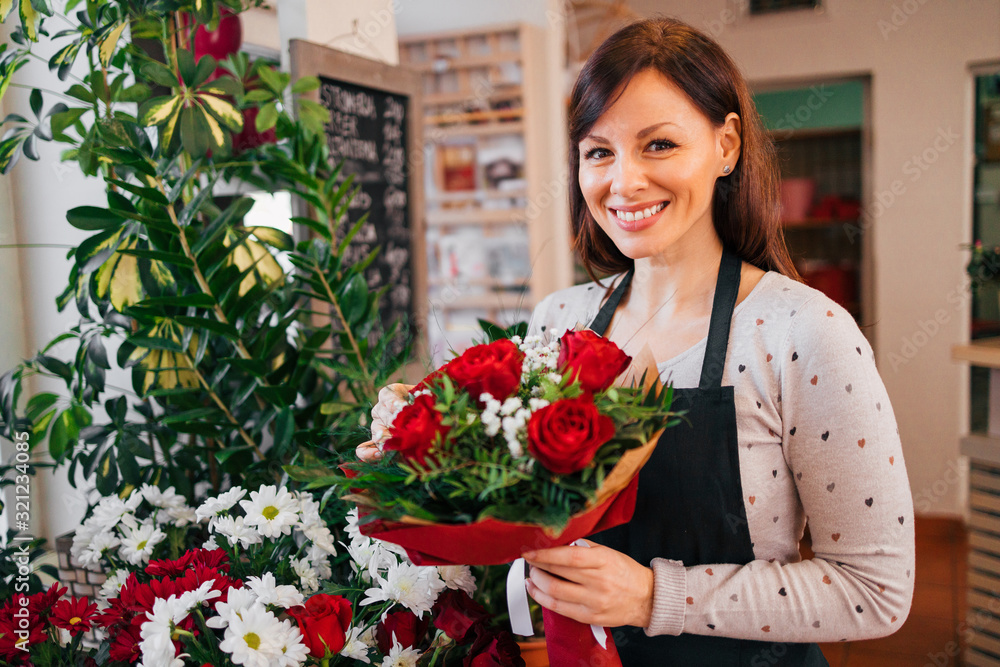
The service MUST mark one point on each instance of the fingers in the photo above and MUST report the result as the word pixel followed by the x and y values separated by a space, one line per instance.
pixel 568 556
pixel 368 451
pixel 560 596
pixel 391 399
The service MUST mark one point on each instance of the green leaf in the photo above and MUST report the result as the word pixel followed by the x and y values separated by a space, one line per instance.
pixel 207 324
pixel 81 93
pixel 196 136
pixel 96 250
pixel 110 42
pixel 65 432
pixel 159 110
pixel 206 65
pixel 187 66
pixel 354 299
pixel 273 237
pixel 284 429
pixel 107 473
pixel 161 74
pixel 224 455
pixel 197 414
pixel 224 111
pixel 305 85
pixel 53 365
pixel 39 405
pixel 92 218
pixel 267 117
pixel 129 467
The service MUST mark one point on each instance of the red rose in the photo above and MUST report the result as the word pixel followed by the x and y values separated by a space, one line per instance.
pixel 404 625
pixel 494 649
pixel 565 436
pixel 323 622
pixel 593 360
pixel 457 615
pixel 417 429
pixel 494 368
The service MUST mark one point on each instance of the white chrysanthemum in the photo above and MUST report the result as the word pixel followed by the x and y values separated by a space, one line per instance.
pixel 157 646
pixel 235 530
pixel 401 657
pixel 416 588
pixel 164 499
pixel 210 544
pixel 139 542
pixel 353 532
pixel 112 585
pixel 292 651
pixel 458 577
pixel 307 574
pixel 191 599
pixel 250 637
pixel 221 503
pixel 237 600
pixel 268 592
pixel 179 516
pixel 354 647
pixel 84 535
pixel 272 510
pixel 320 561
pixel 111 509
pixel 100 544
pixel 321 536
pixel 370 556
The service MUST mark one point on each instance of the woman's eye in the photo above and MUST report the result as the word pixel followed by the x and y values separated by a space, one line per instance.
pixel 597 153
pixel 661 145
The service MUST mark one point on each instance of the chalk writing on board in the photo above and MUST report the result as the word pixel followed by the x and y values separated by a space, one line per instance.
pixel 367 132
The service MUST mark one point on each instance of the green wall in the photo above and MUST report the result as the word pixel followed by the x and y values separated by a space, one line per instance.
pixel 823 106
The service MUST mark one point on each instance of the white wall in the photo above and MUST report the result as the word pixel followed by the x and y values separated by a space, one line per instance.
pixel 419 16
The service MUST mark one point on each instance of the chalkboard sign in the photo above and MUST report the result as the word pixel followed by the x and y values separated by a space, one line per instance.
pixel 372 131
pixel 367 133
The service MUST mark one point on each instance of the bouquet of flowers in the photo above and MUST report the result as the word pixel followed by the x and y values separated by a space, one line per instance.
pixel 260 591
pixel 514 444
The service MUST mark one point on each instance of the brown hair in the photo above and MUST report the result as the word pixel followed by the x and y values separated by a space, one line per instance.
pixel 745 207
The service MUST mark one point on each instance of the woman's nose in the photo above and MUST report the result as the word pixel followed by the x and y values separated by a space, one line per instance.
pixel 628 178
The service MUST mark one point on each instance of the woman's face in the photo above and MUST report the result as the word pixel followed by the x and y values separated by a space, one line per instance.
pixel 648 168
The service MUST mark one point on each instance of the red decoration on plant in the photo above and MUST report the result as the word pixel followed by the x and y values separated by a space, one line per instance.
pixel 220 43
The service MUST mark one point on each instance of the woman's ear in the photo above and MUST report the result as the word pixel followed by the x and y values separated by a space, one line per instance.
pixel 730 142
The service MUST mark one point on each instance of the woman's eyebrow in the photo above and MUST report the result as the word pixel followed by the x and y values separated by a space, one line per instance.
pixel 639 135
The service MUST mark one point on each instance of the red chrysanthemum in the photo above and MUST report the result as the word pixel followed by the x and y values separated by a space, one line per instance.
pixel 74 615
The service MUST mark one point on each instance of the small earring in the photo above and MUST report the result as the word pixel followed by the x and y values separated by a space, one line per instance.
pixel 725 170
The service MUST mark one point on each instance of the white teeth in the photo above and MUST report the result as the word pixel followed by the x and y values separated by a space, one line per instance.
pixel 629 216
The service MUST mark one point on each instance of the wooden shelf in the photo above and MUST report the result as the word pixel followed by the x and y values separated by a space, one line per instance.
pixel 436 131
pixel 502 92
pixel 474 196
pixel 444 63
pixel 984 352
pixel 479 282
pixel 492 301
pixel 475 117
pixel 981 446
pixel 464 216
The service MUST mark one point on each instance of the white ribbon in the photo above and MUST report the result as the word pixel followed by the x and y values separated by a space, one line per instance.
pixel 517 603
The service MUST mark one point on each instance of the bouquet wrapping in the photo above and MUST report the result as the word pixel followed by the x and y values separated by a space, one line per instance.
pixel 516 445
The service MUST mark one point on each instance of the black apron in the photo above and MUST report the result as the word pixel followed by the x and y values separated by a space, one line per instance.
pixel 690 502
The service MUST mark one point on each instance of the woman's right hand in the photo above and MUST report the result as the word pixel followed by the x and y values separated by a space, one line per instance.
pixel 391 399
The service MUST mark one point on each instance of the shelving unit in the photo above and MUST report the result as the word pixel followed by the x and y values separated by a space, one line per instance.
pixel 828 256
pixel 493 193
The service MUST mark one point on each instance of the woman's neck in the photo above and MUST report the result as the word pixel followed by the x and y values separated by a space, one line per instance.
pixel 682 280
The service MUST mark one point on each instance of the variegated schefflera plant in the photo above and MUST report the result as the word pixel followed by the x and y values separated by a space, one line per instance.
pixel 246 349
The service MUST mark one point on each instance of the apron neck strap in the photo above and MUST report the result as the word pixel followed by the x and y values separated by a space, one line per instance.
pixel 726 290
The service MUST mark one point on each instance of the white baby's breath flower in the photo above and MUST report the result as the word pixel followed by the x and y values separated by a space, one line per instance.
pixel 510 406
pixel 554 378
pixel 536 404
pixel 268 592
pixel 354 647
pixel 138 543
pixel 235 530
pixel 221 503
pixel 272 510
pixel 251 637
pixel 416 588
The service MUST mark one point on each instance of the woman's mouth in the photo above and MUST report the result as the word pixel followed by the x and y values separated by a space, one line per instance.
pixel 638 219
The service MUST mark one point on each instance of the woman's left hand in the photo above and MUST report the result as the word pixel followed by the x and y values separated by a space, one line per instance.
pixel 599 586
